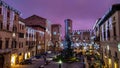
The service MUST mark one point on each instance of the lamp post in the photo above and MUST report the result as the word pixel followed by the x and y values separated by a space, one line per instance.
pixel 60 62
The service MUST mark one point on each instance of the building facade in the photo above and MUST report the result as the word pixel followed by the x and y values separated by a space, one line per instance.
pixel 22 41
pixel 9 26
pixel 30 42
pixel 82 40
pixel 107 31
pixel 56 36
pixel 82 36
pixel 39 24
pixel 48 41
pixel 68 27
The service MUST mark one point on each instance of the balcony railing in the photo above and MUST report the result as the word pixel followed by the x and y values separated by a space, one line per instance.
pixel 5 51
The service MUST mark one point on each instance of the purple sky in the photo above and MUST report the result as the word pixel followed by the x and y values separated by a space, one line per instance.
pixel 84 13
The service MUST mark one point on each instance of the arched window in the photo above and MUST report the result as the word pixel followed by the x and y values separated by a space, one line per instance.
pixel 14 29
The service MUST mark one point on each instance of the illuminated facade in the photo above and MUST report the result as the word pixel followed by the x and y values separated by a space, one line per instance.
pixel 68 27
pixel 30 42
pixel 83 36
pixel 48 42
pixel 22 40
pixel 9 18
pixel 107 31
pixel 56 36
pixel 38 23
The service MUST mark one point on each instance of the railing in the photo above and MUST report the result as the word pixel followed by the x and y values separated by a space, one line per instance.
pixel 5 50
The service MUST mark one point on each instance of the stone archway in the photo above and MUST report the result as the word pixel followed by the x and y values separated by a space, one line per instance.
pixel 1 61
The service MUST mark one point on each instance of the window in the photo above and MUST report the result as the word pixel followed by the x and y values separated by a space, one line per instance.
pixel 20 26
pixel 0 44
pixel 29 35
pixel 109 53
pixel 8 14
pixel 116 55
pixel 14 29
pixel 14 44
pixel 114 30
pixel 21 35
pixel 54 33
pixel 78 32
pixel 7 43
pixel 7 26
pixel 19 44
pixel 0 10
pixel 15 17
pixel 114 18
pixel 1 25
pixel 108 34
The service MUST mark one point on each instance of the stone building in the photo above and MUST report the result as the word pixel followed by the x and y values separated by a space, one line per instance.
pixel 30 42
pixel 38 23
pixel 107 31
pixel 22 41
pixel 9 26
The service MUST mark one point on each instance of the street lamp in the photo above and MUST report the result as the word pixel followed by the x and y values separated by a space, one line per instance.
pixel 60 62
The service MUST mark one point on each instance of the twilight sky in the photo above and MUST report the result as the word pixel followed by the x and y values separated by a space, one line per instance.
pixel 84 13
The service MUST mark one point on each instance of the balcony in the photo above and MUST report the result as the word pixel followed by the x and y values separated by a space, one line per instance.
pixel 2 51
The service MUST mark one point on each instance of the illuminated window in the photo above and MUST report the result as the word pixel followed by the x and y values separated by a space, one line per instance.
pixel 14 43
pixel 14 29
pixel 54 33
pixel 119 47
pixel 15 17
pixel 114 30
pixel 113 18
pixel 69 28
pixel 78 32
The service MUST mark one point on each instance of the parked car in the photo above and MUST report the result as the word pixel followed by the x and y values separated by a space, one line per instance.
pixel 38 56
pixel 28 61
